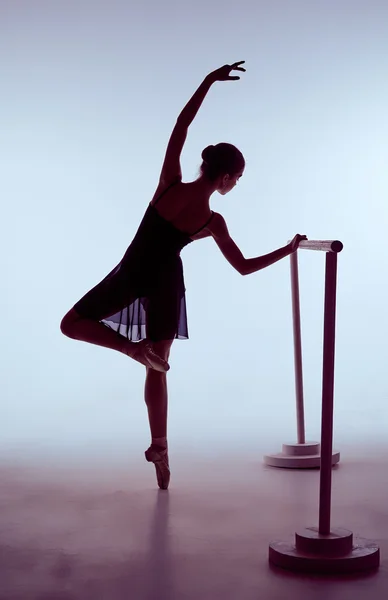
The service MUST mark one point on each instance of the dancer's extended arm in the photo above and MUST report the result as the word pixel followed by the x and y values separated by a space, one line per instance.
pixel 233 254
pixel 171 169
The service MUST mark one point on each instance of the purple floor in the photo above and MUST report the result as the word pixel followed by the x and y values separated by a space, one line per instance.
pixel 107 533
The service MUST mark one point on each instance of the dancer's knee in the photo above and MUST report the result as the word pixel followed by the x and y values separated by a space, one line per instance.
pixel 68 323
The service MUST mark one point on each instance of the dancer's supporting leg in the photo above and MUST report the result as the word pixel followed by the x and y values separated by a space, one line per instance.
pixel 156 398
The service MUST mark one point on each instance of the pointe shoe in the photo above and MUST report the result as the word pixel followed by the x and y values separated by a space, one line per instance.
pixel 162 467
pixel 146 355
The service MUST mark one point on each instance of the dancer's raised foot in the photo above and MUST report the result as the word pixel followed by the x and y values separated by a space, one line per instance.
pixel 144 353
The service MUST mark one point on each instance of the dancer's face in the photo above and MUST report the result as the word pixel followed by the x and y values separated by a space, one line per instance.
pixel 227 183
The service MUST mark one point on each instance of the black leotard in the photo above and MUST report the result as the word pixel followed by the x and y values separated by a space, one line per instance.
pixel 144 295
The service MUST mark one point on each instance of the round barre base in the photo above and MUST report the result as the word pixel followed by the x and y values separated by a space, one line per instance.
pixel 336 553
pixel 299 456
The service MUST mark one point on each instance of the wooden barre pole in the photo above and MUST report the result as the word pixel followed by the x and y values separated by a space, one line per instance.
pixel 322 245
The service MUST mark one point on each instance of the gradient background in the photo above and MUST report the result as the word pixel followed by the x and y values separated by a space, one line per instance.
pixel 90 93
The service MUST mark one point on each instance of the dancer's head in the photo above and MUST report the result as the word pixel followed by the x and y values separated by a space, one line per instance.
pixel 223 164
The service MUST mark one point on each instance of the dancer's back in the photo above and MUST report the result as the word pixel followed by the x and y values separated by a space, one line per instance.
pixel 184 205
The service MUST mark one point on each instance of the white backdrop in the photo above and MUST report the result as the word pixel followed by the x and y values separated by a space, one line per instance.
pixel 90 93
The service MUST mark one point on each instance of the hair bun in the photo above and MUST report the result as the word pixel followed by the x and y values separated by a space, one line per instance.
pixel 207 154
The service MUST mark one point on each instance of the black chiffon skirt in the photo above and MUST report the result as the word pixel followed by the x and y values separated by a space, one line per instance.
pixel 138 303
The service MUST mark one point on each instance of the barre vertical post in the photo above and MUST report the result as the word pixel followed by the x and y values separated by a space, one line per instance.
pixel 321 549
pixel 297 347
pixel 302 454
pixel 328 393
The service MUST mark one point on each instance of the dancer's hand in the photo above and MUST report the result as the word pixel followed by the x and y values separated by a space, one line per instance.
pixel 296 241
pixel 223 73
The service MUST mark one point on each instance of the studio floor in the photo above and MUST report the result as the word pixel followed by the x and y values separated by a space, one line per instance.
pixel 105 532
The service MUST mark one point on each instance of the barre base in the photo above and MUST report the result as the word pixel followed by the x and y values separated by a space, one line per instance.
pixel 336 553
pixel 299 456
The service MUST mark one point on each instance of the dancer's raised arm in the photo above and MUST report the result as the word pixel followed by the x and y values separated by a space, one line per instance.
pixel 171 169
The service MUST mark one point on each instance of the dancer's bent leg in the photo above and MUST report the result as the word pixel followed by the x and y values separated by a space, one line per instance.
pixel 94 332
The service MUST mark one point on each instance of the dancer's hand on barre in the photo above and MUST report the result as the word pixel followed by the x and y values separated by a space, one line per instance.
pixel 296 241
